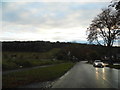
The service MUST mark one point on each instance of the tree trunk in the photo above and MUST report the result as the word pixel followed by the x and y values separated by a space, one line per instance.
pixel 109 38
pixel 110 55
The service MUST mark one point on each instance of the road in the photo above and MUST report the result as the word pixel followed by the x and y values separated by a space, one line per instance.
pixel 84 75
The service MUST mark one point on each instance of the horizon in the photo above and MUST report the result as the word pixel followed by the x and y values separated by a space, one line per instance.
pixel 74 42
pixel 82 42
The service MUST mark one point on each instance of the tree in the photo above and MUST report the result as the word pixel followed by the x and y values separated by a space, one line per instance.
pixel 118 6
pixel 104 27
pixel 115 4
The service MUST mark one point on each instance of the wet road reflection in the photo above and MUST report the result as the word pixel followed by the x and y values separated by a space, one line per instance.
pixel 103 73
pixel 107 75
pixel 86 76
pixel 97 71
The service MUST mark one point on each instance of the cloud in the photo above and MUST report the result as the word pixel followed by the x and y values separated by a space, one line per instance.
pixel 48 21
pixel 55 1
pixel 48 14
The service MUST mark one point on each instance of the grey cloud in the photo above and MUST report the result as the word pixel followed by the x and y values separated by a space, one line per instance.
pixel 48 15
pixel 46 21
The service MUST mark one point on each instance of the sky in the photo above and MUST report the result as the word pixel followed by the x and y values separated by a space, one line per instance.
pixel 48 20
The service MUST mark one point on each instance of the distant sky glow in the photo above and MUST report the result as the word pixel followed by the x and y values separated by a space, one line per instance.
pixel 48 21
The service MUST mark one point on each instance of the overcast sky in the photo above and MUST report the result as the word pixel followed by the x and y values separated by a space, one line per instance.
pixel 48 21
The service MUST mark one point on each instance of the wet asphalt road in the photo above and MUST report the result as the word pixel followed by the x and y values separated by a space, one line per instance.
pixel 84 75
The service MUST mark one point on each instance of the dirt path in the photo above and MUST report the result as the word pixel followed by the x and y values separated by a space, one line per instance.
pixel 17 70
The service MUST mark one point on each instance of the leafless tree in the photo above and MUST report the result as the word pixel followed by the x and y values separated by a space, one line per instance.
pixel 115 4
pixel 104 27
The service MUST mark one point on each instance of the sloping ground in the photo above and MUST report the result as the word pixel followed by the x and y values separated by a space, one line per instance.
pixel 16 60
pixel 16 79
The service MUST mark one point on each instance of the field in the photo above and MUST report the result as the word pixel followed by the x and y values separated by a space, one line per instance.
pixel 16 60
pixel 16 79
pixel 18 64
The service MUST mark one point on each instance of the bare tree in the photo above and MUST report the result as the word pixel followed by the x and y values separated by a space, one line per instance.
pixel 115 4
pixel 104 27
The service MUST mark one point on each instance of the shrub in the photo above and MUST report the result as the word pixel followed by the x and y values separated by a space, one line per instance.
pixel 8 65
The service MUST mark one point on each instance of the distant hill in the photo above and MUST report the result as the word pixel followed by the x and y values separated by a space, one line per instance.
pixel 76 50
pixel 33 46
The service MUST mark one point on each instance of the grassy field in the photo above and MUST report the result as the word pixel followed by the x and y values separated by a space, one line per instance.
pixel 16 60
pixel 30 55
pixel 16 64
pixel 16 79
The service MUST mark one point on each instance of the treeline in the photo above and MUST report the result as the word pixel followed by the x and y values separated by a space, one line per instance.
pixel 31 46
pixel 89 52
pixel 67 50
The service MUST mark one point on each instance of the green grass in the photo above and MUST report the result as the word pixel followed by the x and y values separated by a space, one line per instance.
pixel 114 66
pixel 30 55
pixel 13 60
pixel 15 64
pixel 16 79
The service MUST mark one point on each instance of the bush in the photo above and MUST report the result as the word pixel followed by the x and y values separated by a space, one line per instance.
pixel 24 63
pixel 115 66
pixel 8 65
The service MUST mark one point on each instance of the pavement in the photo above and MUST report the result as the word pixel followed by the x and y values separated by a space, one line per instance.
pixel 84 75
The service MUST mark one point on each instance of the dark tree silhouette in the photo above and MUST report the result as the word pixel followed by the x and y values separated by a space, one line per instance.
pixel 115 4
pixel 118 6
pixel 104 27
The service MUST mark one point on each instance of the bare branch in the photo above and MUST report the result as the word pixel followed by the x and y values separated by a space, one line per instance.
pixel 104 26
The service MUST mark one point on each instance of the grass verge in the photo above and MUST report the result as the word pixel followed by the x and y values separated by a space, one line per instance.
pixel 16 79
pixel 114 66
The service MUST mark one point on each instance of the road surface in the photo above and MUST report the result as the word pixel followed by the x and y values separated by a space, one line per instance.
pixel 84 75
